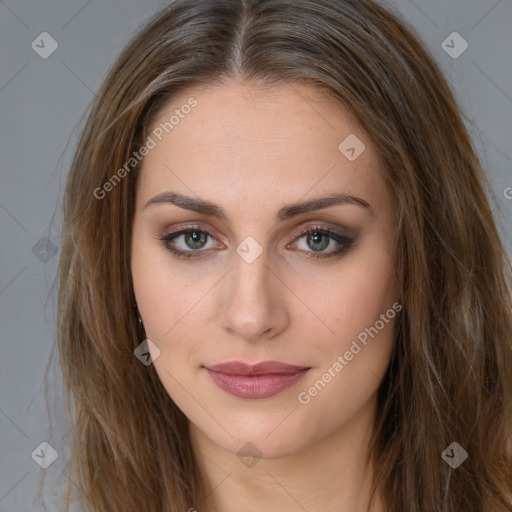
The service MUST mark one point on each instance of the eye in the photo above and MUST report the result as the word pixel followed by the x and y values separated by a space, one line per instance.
pixel 317 239
pixel 192 242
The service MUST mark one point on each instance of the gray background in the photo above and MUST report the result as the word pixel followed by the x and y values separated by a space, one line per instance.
pixel 42 105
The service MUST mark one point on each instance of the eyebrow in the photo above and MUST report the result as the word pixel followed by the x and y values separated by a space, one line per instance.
pixel 286 212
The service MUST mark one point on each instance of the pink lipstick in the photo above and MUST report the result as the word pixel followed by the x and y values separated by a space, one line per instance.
pixel 261 380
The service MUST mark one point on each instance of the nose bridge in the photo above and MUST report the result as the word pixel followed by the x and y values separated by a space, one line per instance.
pixel 250 278
pixel 252 306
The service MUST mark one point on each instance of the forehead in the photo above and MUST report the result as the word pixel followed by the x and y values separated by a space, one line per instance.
pixel 280 142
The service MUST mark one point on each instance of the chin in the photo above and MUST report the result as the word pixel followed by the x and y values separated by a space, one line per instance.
pixel 259 435
pixel 262 447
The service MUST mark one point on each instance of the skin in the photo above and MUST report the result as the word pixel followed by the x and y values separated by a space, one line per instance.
pixel 253 151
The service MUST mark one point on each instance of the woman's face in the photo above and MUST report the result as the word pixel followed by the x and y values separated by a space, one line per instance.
pixel 269 272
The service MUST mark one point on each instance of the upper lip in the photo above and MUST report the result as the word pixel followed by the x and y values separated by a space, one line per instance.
pixel 265 367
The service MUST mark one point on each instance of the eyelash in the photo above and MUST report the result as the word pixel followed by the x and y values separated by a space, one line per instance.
pixel 344 241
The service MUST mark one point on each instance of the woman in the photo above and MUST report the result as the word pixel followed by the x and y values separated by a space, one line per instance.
pixel 281 286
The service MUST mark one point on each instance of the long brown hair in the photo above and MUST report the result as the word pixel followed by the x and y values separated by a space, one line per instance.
pixel 450 374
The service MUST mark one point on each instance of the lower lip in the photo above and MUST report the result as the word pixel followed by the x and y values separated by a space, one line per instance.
pixel 255 386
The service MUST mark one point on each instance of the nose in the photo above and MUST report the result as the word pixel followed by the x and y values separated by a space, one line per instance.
pixel 254 306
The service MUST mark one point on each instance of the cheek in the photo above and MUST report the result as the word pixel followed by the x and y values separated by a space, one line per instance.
pixel 354 296
pixel 165 295
pixel 364 311
pixel 353 362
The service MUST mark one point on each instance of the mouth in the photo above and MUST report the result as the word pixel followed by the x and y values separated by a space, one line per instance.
pixel 261 380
